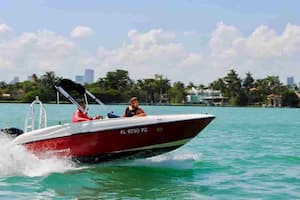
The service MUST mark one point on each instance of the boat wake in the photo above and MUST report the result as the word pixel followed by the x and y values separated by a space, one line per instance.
pixel 16 161
pixel 176 160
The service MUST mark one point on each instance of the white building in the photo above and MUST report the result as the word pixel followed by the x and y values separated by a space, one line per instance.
pixel 205 96
pixel 79 79
pixel 290 80
pixel 15 80
pixel 88 76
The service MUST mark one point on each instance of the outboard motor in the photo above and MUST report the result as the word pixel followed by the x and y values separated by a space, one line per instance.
pixel 12 132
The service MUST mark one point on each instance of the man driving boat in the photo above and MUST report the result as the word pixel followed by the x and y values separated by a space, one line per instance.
pixel 80 115
pixel 133 110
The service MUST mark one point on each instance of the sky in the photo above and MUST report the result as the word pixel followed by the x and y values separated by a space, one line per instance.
pixel 195 41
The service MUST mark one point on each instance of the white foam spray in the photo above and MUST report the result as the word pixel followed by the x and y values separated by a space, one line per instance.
pixel 15 160
pixel 175 159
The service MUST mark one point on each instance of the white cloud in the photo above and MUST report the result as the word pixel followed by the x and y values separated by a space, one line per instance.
pixel 155 46
pixel 146 53
pixel 4 32
pixel 291 40
pixel 152 37
pixel 222 38
pixel 5 28
pixel 36 53
pixel 264 43
pixel 193 59
pixel 81 32
pixel 263 52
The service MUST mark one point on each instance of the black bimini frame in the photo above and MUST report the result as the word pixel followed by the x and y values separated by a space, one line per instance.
pixel 68 85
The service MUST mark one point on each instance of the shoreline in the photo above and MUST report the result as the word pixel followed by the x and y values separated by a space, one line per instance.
pixel 158 104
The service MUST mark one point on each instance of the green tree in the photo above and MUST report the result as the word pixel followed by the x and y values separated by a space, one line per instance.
pixel 3 85
pixel 273 84
pixel 290 99
pixel 118 80
pixel 218 85
pixel 202 87
pixel 177 93
pixel 29 86
pixel 149 87
pixel 248 82
pixel 30 96
pixel 162 86
pixel 266 86
pixel 46 86
pixel 190 86
pixel 243 98
pixel 114 87
pixel 233 83
pixel 233 86
pixel 34 78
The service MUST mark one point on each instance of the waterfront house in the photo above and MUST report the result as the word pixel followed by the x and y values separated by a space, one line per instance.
pixel 274 100
pixel 205 96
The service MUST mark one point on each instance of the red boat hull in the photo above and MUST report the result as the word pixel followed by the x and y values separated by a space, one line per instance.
pixel 125 143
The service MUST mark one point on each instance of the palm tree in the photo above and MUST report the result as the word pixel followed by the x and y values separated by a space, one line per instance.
pixel 233 83
pixel 248 81
pixel 163 85
pixel 190 86
pixel 48 80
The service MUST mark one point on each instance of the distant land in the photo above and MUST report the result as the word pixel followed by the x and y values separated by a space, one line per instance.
pixel 118 87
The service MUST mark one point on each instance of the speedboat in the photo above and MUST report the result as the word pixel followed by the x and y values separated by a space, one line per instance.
pixel 107 139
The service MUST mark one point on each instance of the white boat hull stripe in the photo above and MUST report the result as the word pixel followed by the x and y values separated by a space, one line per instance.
pixel 157 146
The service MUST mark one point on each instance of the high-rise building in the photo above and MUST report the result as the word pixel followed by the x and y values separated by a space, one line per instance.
pixel 88 76
pixel 290 80
pixel 79 79
pixel 15 80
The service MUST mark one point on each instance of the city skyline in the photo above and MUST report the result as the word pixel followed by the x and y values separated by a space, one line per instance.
pixel 88 77
pixel 188 41
pixel 290 80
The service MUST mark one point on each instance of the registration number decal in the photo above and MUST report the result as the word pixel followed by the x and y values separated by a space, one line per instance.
pixel 134 131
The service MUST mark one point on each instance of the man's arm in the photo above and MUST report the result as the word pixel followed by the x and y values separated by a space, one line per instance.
pixel 140 113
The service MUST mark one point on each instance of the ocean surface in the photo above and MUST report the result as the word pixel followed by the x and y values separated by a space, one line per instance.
pixel 245 153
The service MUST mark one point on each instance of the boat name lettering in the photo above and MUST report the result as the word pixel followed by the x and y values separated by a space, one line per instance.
pixel 134 131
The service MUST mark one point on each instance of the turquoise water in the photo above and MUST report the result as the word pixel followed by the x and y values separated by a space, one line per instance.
pixel 245 153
